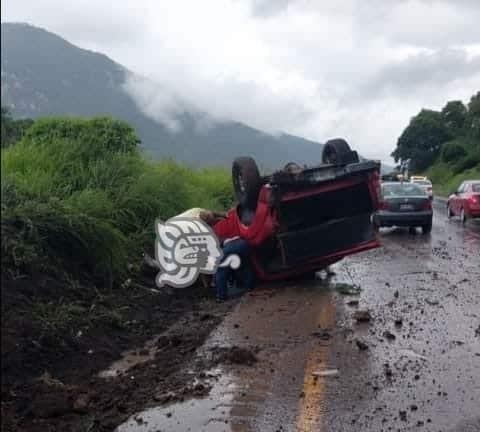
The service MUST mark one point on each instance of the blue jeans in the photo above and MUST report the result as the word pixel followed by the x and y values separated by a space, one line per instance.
pixel 245 273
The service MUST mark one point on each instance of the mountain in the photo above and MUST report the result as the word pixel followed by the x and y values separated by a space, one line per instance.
pixel 43 75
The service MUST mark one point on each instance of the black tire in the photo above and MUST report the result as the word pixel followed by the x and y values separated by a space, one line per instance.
pixel 426 229
pixel 449 212
pixel 292 168
pixel 246 181
pixel 338 152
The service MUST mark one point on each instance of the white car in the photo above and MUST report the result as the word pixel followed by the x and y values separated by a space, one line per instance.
pixel 424 183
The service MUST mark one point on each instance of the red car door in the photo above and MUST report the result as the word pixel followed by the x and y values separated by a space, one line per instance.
pixel 464 197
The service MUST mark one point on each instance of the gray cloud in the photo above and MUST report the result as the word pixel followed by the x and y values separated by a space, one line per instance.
pixel 267 8
pixel 421 23
pixel 422 71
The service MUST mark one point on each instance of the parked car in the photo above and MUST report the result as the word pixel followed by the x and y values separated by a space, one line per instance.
pixel 404 204
pixel 425 184
pixel 299 220
pixel 465 202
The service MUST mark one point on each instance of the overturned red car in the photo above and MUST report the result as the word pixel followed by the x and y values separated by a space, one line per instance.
pixel 302 219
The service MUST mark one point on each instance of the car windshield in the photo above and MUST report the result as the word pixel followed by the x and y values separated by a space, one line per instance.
pixel 476 187
pixel 402 189
pixel 422 182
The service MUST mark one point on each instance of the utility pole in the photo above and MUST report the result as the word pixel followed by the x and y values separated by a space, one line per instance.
pixel 405 167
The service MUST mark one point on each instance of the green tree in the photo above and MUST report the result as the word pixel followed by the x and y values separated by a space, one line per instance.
pixel 452 151
pixel 454 115
pixel 473 117
pixel 421 140
pixel 6 126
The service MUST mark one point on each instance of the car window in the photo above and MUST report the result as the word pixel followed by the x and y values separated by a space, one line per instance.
pixel 462 187
pixel 476 187
pixel 402 189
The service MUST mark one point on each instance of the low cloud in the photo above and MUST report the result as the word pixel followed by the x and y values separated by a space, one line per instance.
pixel 424 72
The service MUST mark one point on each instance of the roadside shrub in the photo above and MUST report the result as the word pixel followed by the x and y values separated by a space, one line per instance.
pixel 12 130
pixel 78 198
pixel 97 135
pixel 470 161
pixel 452 151
pixel 51 237
pixel 217 183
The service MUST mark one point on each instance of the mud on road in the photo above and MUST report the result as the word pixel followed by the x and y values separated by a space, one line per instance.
pixel 400 354
pixel 392 342
pixel 66 371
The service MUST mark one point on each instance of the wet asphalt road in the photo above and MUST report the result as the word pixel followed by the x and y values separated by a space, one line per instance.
pixel 424 375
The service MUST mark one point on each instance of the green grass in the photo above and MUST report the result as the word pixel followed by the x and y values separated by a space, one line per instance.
pixel 458 161
pixel 78 198
pixel 445 181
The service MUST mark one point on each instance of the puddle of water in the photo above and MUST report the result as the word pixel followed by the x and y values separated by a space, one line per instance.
pixel 130 359
pixel 210 414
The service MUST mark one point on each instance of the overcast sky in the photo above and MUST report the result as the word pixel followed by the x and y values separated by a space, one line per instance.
pixel 320 69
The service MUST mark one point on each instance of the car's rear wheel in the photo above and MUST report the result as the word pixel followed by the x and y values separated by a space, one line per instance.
pixel 449 212
pixel 246 181
pixel 426 229
pixel 338 152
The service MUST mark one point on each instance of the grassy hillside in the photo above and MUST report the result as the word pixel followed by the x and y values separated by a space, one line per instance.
pixel 79 200
pixel 78 207
pixel 445 181
pixel 459 160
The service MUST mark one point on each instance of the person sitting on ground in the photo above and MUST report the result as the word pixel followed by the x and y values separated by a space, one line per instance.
pixel 232 243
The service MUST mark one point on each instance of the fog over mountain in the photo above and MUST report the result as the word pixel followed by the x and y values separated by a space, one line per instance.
pixel 43 74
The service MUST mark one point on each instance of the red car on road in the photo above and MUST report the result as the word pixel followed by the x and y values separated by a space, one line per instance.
pixel 465 202
pixel 302 219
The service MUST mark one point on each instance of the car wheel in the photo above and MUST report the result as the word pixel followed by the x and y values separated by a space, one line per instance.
pixel 292 168
pixel 246 181
pixel 426 229
pixel 338 152
pixel 449 212
pixel 463 216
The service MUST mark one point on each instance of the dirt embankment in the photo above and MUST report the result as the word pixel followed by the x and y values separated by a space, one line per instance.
pixel 56 337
